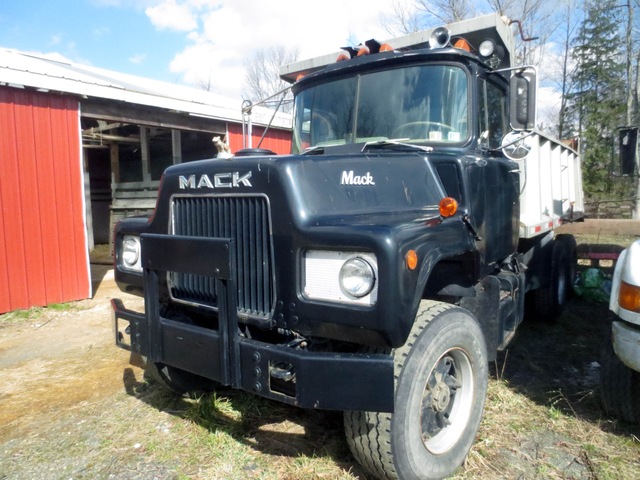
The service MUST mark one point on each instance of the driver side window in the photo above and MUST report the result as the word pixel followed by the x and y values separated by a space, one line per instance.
pixel 493 113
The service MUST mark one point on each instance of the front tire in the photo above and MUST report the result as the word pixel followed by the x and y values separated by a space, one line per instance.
pixel 441 377
pixel 179 382
pixel 619 386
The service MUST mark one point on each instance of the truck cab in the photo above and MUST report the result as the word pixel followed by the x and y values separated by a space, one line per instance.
pixel 379 267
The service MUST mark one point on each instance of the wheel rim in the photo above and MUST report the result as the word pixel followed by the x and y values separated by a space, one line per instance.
pixel 446 401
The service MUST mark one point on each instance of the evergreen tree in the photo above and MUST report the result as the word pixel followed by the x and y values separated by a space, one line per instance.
pixel 597 105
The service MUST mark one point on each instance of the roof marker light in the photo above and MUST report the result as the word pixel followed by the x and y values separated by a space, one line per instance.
pixel 462 44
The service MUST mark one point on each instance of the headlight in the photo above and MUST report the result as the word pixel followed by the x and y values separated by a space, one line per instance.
pixel 357 277
pixel 131 253
pixel 346 277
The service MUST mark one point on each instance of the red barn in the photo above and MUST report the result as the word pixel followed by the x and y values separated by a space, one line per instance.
pixel 81 148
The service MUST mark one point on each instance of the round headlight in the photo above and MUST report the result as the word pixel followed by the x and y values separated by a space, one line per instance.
pixel 130 251
pixel 357 277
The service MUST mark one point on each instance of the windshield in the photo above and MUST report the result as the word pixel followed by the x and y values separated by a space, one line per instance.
pixel 418 104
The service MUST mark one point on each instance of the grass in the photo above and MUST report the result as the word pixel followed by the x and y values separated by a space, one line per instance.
pixel 542 420
pixel 37 313
pixel 526 432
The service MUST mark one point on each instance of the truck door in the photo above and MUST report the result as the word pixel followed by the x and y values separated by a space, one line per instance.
pixel 496 182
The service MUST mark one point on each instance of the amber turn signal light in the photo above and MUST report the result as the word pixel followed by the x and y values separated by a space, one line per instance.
pixel 629 297
pixel 411 259
pixel 448 207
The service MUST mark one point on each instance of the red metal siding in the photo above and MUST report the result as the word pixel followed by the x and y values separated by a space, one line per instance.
pixel 277 140
pixel 43 253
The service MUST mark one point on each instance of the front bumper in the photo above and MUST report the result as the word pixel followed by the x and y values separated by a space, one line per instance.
pixel 326 380
pixel 626 344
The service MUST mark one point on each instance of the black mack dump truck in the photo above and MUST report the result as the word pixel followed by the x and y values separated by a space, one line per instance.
pixel 379 267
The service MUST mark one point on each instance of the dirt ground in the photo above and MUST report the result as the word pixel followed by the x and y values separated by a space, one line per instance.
pixel 72 406
pixel 60 370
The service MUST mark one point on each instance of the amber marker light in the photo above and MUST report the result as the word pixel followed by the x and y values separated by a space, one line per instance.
pixel 448 207
pixel 299 77
pixel 363 50
pixel 411 259
pixel 385 47
pixel 462 44
pixel 629 297
pixel 342 57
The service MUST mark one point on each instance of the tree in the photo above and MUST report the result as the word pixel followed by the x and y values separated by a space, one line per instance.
pixel 263 74
pixel 536 15
pixel 597 103
pixel 633 115
pixel 447 11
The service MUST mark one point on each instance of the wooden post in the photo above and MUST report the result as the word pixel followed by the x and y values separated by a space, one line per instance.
pixel 176 146
pixel 115 164
pixel 144 150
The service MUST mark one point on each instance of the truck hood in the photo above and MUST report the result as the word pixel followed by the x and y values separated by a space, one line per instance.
pixel 315 189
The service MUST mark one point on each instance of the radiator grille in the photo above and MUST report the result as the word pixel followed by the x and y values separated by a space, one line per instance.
pixel 247 221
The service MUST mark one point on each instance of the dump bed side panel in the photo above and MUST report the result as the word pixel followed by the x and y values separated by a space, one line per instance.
pixel 551 186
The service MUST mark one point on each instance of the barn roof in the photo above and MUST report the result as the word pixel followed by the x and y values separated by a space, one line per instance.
pixel 22 69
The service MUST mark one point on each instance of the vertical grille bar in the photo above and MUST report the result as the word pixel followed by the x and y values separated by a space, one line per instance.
pixel 246 220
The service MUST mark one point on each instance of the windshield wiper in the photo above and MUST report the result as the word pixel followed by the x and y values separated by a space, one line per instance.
pixel 395 145
pixel 317 150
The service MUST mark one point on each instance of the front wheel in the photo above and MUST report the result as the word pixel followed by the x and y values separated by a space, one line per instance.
pixel 440 388
pixel 619 385
pixel 179 382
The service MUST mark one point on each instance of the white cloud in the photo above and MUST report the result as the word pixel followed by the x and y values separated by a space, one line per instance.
pixel 223 33
pixel 137 59
pixel 220 35
pixel 101 31
pixel 548 102
pixel 173 16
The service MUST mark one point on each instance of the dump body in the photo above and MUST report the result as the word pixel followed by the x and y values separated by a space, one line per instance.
pixel 551 183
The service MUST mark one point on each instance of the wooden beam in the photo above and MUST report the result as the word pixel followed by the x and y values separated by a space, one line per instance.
pixel 114 111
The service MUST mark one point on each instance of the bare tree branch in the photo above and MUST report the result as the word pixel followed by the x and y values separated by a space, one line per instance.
pixel 262 78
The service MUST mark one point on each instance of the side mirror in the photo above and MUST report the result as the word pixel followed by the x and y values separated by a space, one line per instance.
pixel 522 99
pixel 517 145
pixel 628 147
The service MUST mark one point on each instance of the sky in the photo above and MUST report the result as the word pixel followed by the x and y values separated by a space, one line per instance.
pixel 192 42
pixel 195 42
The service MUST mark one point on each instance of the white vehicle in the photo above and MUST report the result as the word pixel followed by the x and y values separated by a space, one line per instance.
pixel 620 375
